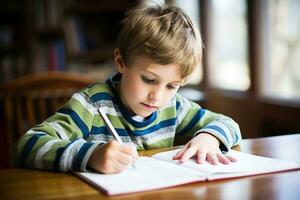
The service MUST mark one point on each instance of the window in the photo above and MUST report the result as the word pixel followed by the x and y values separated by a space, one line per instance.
pixel 228 50
pixel 282 74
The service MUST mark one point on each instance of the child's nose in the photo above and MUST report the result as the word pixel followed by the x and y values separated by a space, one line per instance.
pixel 151 96
pixel 156 94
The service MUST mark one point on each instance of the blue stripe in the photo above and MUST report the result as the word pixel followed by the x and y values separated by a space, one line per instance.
pixel 80 155
pixel 28 147
pixel 162 124
pixel 220 130
pixel 103 130
pixel 77 120
pixel 137 124
pixel 113 79
pixel 177 105
pixel 98 130
pixel 101 96
pixel 59 153
pixel 123 131
pixel 197 117
pixel 236 138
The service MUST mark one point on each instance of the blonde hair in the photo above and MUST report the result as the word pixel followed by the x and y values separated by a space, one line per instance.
pixel 163 33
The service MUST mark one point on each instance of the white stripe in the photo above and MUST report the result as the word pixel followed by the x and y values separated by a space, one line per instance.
pixel 150 138
pixel 83 101
pixel 33 132
pixel 103 138
pixel 93 109
pixel 225 129
pixel 218 134
pixel 59 130
pixel 70 152
pixel 99 137
pixel 38 160
pixel 87 156
pixel 183 110
pixel 104 103
pixel 158 135
pixel 234 129
pixel 110 111
pixel 139 118
pixel 30 132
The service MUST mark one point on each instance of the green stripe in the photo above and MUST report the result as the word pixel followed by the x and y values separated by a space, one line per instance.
pixel 119 122
pixel 40 142
pixel 66 122
pixel 19 147
pixel 210 116
pixel 49 157
pixel 96 89
pixel 98 121
pixel 83 112
pixel 167 113
pixel 168 142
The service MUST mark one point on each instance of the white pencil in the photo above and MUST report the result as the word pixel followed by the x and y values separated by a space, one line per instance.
pixel 111 128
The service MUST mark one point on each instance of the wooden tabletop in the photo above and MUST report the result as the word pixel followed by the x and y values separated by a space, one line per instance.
pixel 35 184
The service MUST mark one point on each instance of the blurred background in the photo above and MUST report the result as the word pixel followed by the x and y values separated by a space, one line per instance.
pixel 250 69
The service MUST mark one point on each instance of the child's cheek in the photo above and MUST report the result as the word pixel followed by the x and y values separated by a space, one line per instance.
pixel 168 97
pixel 136 89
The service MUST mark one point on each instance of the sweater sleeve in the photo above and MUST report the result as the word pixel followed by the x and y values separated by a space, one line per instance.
pixel 193 120
pixel 59 143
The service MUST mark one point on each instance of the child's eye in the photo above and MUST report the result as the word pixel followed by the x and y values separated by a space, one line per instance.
pixel 171 87
pixel 147 80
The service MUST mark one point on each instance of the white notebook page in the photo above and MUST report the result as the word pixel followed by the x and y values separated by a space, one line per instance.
pixel 246 163
pixel 149 174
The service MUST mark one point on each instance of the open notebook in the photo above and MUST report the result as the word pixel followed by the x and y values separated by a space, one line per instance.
pixel 160 171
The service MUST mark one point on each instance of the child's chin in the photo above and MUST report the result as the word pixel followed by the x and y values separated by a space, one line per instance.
pixel 145 114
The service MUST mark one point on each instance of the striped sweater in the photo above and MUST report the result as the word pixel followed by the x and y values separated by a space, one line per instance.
pixel 66 140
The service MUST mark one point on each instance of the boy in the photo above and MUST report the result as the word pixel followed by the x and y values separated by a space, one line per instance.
pixel 158 48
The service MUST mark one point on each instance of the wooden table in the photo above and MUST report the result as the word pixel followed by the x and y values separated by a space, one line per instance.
pixel 35 184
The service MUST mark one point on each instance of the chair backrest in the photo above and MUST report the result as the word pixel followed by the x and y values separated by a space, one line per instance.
pixel 31 99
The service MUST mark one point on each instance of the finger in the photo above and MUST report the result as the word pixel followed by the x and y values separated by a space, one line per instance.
pixel 190 152
pixel 179 154
pixel 112 167
pixel 201 156
pixel 212 158
pixel 223 159
pixel 124 159
pixel 136 154
pixel 129 150
pixel 232 159
pixel 118 167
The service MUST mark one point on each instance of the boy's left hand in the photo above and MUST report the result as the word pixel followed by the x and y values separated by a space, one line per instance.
pixel 204 147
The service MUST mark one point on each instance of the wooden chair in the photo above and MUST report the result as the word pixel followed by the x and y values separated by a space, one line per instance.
pixel 31 99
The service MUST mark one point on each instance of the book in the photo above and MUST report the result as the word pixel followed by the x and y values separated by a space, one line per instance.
pixel 161 171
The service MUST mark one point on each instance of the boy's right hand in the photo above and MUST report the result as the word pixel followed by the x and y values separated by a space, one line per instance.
pixel 112 157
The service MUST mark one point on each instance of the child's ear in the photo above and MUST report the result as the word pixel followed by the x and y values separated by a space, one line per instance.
pixel 120 66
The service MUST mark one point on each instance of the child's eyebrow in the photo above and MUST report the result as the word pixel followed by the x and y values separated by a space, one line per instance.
pixel 158 77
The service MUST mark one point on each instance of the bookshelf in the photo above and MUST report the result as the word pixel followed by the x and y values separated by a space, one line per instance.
pixel 13 54
pixel 67 35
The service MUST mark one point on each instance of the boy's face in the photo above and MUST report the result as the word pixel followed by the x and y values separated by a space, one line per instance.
pixel 147 86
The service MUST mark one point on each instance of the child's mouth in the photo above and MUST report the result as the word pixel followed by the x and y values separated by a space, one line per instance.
pixel 149 106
